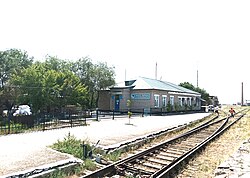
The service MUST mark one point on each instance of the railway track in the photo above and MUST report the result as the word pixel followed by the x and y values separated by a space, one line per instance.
pixel 164 159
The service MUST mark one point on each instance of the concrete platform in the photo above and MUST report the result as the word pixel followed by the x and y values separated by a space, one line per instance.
pixel 20 152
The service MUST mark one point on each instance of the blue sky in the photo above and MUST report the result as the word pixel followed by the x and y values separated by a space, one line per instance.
pixel 181 36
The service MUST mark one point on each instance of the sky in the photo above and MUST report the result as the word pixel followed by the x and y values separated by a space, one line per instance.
pixel 181 36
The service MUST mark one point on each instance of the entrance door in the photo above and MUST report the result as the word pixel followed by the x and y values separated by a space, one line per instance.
pixel 117 102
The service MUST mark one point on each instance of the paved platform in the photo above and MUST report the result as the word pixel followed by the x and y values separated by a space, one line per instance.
pixel 20 152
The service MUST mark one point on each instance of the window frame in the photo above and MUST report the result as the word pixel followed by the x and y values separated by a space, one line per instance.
pixel 156 100
pixel 171 100
pixel 164 100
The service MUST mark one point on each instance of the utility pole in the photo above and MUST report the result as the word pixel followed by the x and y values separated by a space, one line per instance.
pixel 242 98
pixel 125 74
pixel 197 78
pixel 156 71
pixel 197 74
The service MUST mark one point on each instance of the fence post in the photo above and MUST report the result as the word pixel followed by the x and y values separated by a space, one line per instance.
pixel 9 117
pixel 44 122
pixel 96 114
pixel 143 112
pixel 71 123
pixel 85 119
pixel 84 150
pixel 113 114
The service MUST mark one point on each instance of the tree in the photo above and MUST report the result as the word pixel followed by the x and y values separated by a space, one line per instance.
pixel 43 88
pixel 103 78
pixel 129 103
pixel 54 63
pixel 204 94
pixel 95 76
pixel 188 86
pixel 12 61
pixel 54 82
pixel 84 69
pixel 70 89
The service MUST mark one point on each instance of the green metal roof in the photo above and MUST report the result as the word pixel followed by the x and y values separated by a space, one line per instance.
pixel 147 83
pixel 143 83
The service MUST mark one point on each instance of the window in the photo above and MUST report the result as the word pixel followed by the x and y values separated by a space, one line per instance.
pixel 197 101
pixel 156 100
pixel 184 101
pixel 180 101
pixel 172 100
pixel 164 100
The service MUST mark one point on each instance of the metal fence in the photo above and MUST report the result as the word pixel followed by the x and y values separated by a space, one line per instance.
pixel 111 114
pixel 47 121
pixel 42 121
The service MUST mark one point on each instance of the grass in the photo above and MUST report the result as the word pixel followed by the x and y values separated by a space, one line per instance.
pixel 114 156
pixel 71 145
pixel 14 128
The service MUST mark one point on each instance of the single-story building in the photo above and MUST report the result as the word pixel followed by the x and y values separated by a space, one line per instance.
pixel 146 94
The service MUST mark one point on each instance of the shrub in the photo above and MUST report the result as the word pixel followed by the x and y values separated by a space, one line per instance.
pixel 70 145
pixel 129 114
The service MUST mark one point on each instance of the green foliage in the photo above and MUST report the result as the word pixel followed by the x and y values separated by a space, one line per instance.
pixel 70 145
pixel 185 107
pixel 169 107
pixel 188 86
pixel 54 63
pixel 96 76
pixel 114 156
pixel 90 165
pixel 57 174
pixel 190 107
pixel 54 82
pixel 176 106
pixel 73 146
pixel 204 94
pixel 12 61
pixel 45 88
pixel 129 103
pixel 14 127
pixel 129 114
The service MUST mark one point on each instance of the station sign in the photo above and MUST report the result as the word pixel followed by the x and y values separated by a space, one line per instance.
pixel 140 96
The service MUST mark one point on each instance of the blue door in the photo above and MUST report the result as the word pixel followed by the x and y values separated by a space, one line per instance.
pixel 117 102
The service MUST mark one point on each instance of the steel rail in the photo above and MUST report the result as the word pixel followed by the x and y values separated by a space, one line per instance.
pixel 170 169
pixel 111 169
pixel 167 169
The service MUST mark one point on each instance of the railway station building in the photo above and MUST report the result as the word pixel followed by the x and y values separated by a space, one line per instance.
pixel 145 94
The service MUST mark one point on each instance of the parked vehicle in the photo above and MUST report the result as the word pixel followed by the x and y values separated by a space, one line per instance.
pixel 23 110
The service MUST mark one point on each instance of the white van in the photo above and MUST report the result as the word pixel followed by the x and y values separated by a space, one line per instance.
pixel 23 110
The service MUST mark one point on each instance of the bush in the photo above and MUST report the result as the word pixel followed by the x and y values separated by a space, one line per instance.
pixel 70 145
pixel 129 114
pixel 114 156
